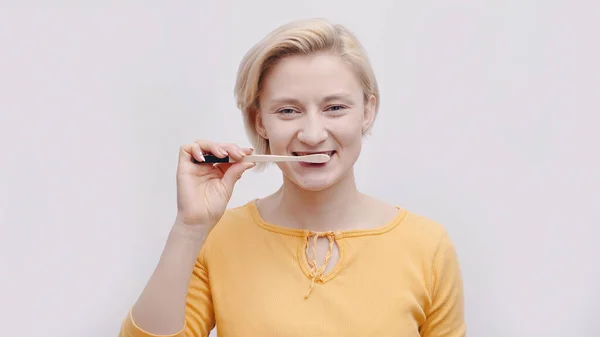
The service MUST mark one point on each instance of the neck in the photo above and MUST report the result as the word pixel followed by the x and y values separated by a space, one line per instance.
pixel 318 211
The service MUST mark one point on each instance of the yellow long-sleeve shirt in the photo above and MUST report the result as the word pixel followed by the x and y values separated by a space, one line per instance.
pixel 251 279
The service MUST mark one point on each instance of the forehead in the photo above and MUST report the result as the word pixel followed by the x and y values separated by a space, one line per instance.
pixel 310 76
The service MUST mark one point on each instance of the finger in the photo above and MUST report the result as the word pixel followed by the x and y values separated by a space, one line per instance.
pixel 212 148
pixel 189 151
pixel 234 173
pixel 197 152
pixel 233 151
pixel 223 167
pixel 186 152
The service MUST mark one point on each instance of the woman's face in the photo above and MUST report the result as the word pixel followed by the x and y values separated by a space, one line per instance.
pixel 314 104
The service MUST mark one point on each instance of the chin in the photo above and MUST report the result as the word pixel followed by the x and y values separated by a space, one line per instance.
pixel 313 185
pixel 314 180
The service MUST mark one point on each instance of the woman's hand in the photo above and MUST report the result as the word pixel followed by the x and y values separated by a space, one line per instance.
pixel 204 190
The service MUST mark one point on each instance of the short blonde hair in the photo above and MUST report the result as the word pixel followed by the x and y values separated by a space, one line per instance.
pixel 300 37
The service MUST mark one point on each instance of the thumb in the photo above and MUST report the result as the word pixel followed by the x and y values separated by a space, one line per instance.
pixel 234 173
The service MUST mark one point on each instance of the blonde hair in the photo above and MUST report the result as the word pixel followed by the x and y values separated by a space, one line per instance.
pixel 300 37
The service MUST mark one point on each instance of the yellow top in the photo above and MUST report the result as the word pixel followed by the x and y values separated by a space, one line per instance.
pixel 253 278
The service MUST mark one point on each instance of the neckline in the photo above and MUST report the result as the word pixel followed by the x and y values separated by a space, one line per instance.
pixel 391 224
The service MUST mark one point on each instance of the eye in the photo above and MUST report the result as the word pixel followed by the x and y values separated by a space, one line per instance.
pixel 286 111
pixel 336 108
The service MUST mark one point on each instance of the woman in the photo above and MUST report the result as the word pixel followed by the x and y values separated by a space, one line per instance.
pixel 317 257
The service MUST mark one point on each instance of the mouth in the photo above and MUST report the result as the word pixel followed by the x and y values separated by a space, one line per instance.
pixel 329 153
pixel 313 165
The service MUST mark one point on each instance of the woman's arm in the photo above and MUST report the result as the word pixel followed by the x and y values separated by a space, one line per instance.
pixel 445 316
pixel 176 300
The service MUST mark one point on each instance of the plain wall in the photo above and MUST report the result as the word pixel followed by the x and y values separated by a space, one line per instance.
pixel 488 125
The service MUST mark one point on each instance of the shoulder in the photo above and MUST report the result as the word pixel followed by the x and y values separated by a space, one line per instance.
pixel 425 238
pixel 236 226
pixel 422 229
pixel 439 267
pixel 236 219
pixel 430 248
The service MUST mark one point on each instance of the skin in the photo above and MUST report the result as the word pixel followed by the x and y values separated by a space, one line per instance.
pixel 296 115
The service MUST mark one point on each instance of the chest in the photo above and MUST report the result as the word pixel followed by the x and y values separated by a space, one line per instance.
pixel 354 295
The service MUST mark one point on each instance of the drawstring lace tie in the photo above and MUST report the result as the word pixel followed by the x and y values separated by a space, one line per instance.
pixel 317 273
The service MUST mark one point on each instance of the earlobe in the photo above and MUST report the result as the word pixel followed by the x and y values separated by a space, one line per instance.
pixel 260 128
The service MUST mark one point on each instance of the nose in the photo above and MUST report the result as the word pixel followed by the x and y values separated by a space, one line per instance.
pixel 313 130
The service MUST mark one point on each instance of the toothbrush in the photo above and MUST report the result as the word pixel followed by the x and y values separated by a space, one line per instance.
pixel 311 158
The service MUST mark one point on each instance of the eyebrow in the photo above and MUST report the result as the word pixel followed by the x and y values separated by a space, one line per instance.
pixel 339 97
pixel 347 98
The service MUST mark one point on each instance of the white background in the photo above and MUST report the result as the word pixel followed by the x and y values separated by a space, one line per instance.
pixel 488 125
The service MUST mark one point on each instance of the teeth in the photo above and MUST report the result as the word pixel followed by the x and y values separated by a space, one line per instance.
pixel 309 153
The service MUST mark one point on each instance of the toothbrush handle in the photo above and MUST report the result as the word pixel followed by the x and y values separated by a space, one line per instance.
pixel 211 159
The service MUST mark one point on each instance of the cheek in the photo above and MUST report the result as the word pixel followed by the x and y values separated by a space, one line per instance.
pixel 280 136
pixel 348 134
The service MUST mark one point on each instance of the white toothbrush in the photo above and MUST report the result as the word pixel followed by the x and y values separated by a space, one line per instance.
pixel 317 158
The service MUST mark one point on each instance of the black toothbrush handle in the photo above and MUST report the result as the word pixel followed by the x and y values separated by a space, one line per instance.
pixel 211 159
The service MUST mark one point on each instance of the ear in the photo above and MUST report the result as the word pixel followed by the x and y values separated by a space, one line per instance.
pixel 259 126
pixel 369 116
